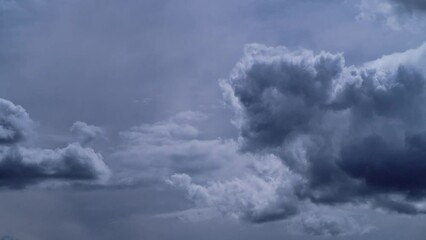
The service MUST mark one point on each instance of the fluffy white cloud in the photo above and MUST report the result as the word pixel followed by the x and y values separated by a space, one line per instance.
pixel 264 192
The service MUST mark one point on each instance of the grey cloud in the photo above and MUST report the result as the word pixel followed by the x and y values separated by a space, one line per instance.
pixel 216 175
pixel 281 105
pixel 353 133
pixel 153 152
pixel 87 133
pixel 15 123
pixel 411 5
pixel 21 166
pixel 103 57
pixel 314 132
pixel 399 15
pixel 330 222
pixel 265 192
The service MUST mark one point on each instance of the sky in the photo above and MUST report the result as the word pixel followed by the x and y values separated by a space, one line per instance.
pixel 226 119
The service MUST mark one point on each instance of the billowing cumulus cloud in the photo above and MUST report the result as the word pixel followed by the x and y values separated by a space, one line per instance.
pixel 87 133
pixel 21 165
pixel 265 192
pixel 219 178
pixel 353 132
pixel 319 133
pixel 15 123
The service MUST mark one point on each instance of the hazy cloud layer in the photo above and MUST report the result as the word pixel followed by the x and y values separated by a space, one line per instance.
pixel 399 15
pixel 153 152
pixel 21 165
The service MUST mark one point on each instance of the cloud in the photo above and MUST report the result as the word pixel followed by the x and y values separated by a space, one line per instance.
pixel 354 133
pixel 314 134
pixel 329 221
pixel 21 165
pixel 411 5
pixel 15 123
pixel 191 215
pixel 265 192
pixel 317 133
pixel 399 15
pixel 219 178
pixel 87 133
pixel 153 152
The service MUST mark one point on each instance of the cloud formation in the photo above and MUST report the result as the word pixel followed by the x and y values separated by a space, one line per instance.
pixel 265 192
pixel 15 123
pixel 87 133
pixel 353 132
pixel 153 152
pixel 320 133
pixel 21 166
pixel 399 15
pixel 411 5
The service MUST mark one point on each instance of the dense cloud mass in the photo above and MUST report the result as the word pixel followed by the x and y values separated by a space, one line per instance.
pixel 361 129
pixel 15 123
pixel 21 166
pixel 411 5
pixel 264 193
pixel 342 134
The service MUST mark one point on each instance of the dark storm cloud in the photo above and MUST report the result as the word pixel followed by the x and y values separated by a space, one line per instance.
pixel 355 134
pixel 21 166
pixel 411 5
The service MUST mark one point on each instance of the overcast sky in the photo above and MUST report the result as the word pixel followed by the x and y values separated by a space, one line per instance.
pixel 225 119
